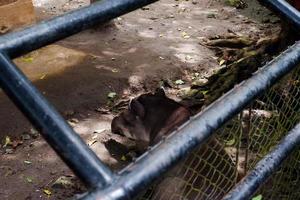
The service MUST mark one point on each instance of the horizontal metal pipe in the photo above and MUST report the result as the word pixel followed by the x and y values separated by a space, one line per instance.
pixel 46 32
pixel 158 160
pixel 285 10
pixel 265 167
pixel 52 126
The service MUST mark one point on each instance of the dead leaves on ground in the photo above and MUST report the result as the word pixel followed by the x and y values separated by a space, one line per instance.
pixel 115 103
pixel 10 144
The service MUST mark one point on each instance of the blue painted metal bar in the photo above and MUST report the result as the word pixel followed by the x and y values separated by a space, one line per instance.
pixel 285 10
pixel 158 160
pixel 47 32
pixel 52 126
pixel 264 168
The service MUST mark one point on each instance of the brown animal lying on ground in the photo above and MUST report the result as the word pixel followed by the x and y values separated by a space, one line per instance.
pixel 207 173
pixel 148 118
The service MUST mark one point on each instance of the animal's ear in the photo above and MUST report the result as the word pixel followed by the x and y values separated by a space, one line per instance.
pixel 160 92
pixel 137 108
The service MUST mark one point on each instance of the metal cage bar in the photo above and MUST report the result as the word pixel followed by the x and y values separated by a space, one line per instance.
pixel 47 32
pixel 285 10
pixel 265 167
pixel 52 126
pixel 158 160
pixel 69 146
pixel 72 149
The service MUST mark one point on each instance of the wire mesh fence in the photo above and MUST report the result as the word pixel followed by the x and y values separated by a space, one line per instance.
pixel 214 168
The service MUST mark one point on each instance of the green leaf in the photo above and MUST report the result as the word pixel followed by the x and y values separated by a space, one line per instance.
pixel 230 142
pixel 259 197
pixel 205 92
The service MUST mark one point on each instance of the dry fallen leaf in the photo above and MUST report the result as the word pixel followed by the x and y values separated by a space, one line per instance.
pixel 27 162
pixel 29 180
pixel 73 120
pixel 90 143
pixel 115 70
pixel 95 137
pixel 47 192
pixel 9 151
pixel 8 173
pixel 185 35
pixel 42 77
pixel 99 130
pixel 7 141
pixel 27 59
pixel 179 82
pixel 123 158
pixel 102 110
pixel 222 62
pixel 188 57
pixel 63 182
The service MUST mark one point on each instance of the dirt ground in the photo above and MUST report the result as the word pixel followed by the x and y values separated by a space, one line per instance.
pixel 128 56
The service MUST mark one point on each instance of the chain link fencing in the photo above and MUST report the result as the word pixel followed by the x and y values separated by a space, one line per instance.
pixel 215 167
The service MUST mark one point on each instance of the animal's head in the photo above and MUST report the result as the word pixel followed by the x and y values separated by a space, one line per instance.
pixel 149 117
pixel 130 123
